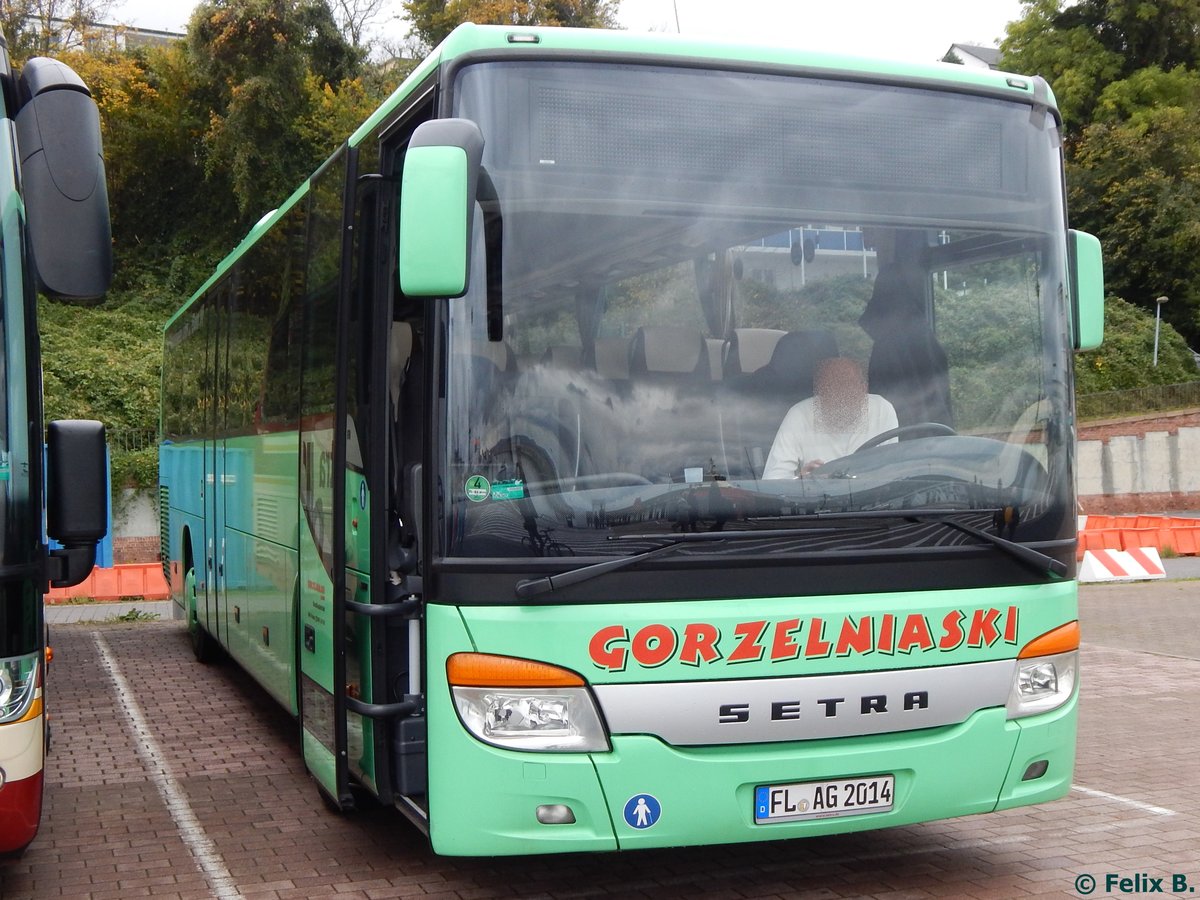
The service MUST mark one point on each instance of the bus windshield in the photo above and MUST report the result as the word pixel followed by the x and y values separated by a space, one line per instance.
pixel 732 301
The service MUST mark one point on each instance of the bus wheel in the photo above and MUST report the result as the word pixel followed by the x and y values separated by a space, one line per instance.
pixel 202 644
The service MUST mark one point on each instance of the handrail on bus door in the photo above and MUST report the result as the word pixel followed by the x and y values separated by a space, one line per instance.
pixel 408 608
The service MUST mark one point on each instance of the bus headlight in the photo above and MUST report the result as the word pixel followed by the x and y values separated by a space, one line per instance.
pixel 18 681
pixel 1042 684
pixel 520 704
pixel 1046 672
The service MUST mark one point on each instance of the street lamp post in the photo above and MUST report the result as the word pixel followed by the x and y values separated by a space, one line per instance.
pixel 1158 305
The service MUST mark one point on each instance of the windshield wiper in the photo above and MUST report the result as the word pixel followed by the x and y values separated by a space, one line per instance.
pixel 1041 563
pixel 532 587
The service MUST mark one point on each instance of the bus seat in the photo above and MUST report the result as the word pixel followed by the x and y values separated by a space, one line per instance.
pixel 760 399
pixel 716 353
pixel 669 353
pixel 750 349
pixel 400 346
pixel 789 373
pixel 612 358
pixel 563 357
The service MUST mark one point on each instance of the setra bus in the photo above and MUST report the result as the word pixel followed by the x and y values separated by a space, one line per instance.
pixel 465 446
pixel 54 238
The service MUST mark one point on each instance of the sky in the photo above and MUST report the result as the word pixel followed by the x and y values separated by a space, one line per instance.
pixel 913 30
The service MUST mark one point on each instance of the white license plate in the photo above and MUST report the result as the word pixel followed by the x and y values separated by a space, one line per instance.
pixel 823 799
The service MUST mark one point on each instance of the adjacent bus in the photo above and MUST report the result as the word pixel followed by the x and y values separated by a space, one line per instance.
pixel 54 238
pixel 465 446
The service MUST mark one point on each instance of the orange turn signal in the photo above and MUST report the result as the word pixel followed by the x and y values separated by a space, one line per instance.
pixel 487 670
pixel 1062 639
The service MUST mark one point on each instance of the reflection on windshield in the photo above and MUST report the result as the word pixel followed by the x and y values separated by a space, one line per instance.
pixel 734 366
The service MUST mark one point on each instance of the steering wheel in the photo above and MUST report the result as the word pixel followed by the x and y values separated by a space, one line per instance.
pixel 931 428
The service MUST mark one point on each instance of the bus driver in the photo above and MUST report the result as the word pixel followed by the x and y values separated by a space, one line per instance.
pixel 833 423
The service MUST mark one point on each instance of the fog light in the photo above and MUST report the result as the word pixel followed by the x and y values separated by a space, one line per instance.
pixel 1036 770
pixel 555 814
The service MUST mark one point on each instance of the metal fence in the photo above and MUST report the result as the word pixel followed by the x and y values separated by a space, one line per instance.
pixel 126 440
pixel 1155 398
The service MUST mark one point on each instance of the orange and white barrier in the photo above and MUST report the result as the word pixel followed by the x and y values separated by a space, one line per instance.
pixel 1134 564
pixel 1170 535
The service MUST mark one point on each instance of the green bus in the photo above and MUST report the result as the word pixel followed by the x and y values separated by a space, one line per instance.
pixel 465 447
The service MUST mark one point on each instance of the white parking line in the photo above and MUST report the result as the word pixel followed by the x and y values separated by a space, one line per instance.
pixel 203 850
pixel 1127 801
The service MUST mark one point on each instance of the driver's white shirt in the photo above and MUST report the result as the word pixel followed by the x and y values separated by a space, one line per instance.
pixel 799 440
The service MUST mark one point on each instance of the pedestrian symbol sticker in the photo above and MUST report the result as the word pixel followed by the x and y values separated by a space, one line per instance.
pixel 478 488
pixel 642 811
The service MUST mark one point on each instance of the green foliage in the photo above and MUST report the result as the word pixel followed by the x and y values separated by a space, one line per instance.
pixel 1124 359
pixel 1125 74
pixel 1081 47
pixel 255 59
pixel 133 615
pixel 1136 185
pixel 103 363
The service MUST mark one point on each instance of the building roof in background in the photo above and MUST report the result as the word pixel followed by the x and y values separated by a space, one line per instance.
pixel 975 55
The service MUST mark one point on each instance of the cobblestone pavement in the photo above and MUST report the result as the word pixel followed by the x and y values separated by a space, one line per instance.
pixel 171 779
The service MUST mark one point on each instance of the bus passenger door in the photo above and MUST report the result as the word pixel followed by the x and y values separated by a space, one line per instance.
pixel 322 550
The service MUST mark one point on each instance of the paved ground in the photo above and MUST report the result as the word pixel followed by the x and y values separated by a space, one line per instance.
pixel 154 754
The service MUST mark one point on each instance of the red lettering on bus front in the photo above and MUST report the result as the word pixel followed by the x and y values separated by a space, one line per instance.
pixel 915 634
pixel 887 633
pixel 856 638
pixel 1010 626
pixel 653 645
pixel 782 646
pixel 952 626
pixel 604 653
pixel 816 645
pixel 700 644
pixel 748 649
pixel 983 632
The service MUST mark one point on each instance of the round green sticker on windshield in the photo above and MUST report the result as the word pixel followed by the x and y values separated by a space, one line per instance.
pixel 478 488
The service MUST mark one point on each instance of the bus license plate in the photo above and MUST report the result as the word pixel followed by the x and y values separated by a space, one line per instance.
pixel 823 799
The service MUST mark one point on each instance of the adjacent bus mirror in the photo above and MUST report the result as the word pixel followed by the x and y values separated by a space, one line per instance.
pixel 1087 289
pixel 76 497
pixel 62 173
pixel 437 202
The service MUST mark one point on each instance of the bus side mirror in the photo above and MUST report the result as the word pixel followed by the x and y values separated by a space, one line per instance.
pixel 76 497
pixel 437 202
pixel 62 173
pixel 1087 289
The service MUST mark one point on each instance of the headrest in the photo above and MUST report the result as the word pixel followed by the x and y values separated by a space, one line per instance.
pixel 612 357
pixel 563 357
pixel 669 350
pixel 750 349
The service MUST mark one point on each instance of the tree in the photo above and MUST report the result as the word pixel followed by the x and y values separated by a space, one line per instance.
pixel 1068 54
pixel 254 58
pixel 355 17
pixel 1136 185
pixel 432 20
pixel 1124 73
